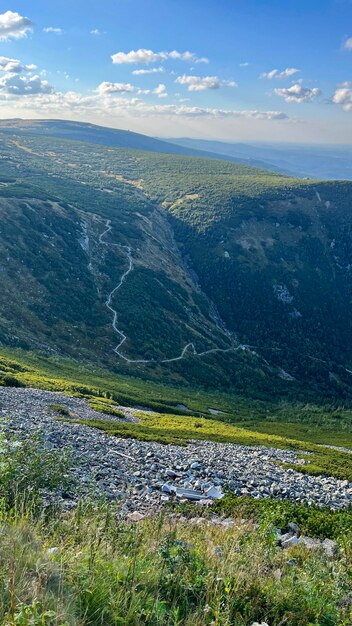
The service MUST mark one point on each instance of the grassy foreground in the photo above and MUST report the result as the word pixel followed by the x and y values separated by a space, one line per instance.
pixel 90 568
pixel 164 573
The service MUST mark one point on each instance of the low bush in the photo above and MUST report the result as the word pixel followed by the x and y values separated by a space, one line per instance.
pixel 29 471
pixel 311 520
pixel 106 408
pixel 11 381
pixel 58 408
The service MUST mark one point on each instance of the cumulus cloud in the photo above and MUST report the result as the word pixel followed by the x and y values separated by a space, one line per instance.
pixel 199 83
pixel 31 94
pixel 154 70
pixel 187 56
pixel 347 45
pixel 53 29
pixel 110 88
pixel 74 103
pixel 148 56
pixel 137 56
pixel 14 66
pixel 160 91
pixel 17 79
pixel 14 26
pixel 16 85
pixel 107 89
pixel 95 32
pixel 343 96
pixel 298 93
pixel 280 75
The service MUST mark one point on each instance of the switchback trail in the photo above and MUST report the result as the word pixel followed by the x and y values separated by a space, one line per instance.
pixel 189 347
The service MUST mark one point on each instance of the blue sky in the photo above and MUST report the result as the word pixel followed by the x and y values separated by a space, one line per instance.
pixel 225 69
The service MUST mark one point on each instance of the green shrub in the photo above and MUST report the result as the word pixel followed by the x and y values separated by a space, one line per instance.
pixel 106 408
pixel 58 408
pixel 28 470
pixel 11 381
pixel 312 520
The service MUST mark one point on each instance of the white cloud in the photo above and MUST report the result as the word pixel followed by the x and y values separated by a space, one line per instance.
pixel 15 66
pixel 154 70
pixel 280 75
pixel 160 91
pixel 109 88
pixel 148 56
pixel 343 96
pixel 95 32
pixel 347 45
pixel 187 56
pixel 53 29
pixel 73 103
pixel 17 79
pixel 199 83
pixel 137 56
pixel 191 112
pixel 13 84
pixel 58 103
pixel 13 25
pixel 244 64
pixel 297 93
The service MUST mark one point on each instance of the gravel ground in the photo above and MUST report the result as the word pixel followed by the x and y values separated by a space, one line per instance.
pixel 136 472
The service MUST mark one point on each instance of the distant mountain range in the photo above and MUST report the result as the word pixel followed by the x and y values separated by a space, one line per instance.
pixel 329 162
pixel 173 267
pixel 120 139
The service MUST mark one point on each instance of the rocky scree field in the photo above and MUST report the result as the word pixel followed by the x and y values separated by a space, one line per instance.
pixel 144 475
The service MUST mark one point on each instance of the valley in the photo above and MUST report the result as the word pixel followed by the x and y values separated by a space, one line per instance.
pixel 193 267
pixel 175 366
pixel 184 286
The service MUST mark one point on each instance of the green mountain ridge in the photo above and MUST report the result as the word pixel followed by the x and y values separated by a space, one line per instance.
pixel 175 268
pixel 101 135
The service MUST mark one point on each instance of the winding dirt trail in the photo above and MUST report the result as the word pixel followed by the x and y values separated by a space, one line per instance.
pixel 189 347
pixel 108 301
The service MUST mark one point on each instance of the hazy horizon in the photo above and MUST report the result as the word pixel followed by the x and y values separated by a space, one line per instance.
pixel 263 143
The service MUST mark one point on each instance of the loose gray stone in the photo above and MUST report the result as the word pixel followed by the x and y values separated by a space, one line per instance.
pixel 135 471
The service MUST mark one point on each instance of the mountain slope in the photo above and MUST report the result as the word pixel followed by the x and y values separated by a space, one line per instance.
pixel 101 135
pixel 176 268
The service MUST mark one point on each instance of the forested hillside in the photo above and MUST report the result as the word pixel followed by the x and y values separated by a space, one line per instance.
pixel 176 268
pixel 115 137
